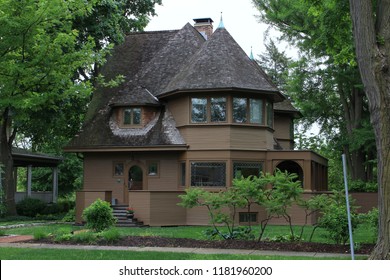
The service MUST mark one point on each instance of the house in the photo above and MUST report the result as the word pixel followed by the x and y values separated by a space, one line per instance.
pixel 194 111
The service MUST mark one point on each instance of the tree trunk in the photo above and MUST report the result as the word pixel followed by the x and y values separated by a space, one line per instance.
pixel 6 161
pixel 372 42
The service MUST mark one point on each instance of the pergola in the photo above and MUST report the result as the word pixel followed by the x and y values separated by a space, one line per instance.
pixel 25 158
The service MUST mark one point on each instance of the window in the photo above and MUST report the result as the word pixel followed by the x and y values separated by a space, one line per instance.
pixel 247 169
pixel 245 217
pixel 118 169
pixel 239 110
pixel 256 111
pixel 208 109
pixel 199 110
pixel 208 174
pixel 132 116
pixel 218 109
pixel 270 115
pixel 182 173
pixel 153 169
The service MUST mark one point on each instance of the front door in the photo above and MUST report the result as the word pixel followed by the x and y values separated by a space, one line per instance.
pixel 135 178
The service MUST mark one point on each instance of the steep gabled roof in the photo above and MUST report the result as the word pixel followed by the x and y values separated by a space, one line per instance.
pixel 221 64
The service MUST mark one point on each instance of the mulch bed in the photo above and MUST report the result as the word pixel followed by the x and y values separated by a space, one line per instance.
pixel 153 241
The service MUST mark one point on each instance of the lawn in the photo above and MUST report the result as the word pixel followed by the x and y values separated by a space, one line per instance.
pixel 79 254
pixel 363 234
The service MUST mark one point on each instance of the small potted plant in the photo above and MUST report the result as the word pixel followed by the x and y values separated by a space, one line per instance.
pixel 130 212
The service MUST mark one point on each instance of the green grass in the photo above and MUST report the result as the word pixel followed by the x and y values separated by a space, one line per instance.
pixel 363 234
pixel 75 254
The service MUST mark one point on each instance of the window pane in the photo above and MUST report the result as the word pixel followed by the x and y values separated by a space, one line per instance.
pixel 218 109
pixel 118 169
pixel 208 174
pixel 153 169
pixel 136 115
pixel 239 110
pixel 247 169
pixel 256 109
pixel 199 110
pixel 183 173
pixel 270 114
pixel 127 116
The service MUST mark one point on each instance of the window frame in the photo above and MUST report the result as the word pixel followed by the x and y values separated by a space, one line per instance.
pixel 157 173
pixel 243 163
pixel 114 169
pixel 131 116
pixel 207 184
pixel 249 110
pixel 208 116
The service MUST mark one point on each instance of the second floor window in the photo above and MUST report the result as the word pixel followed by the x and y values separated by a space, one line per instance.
pixel 208 109
pixel 248 110
pixel 132 116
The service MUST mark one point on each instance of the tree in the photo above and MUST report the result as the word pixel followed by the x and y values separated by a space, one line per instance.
pixel 325 83
pixel 50 54
pixel 372 41
pixel 39 55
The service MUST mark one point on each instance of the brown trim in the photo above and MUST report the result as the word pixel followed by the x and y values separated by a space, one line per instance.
pixel 183 147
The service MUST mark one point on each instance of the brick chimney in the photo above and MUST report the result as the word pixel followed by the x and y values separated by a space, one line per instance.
pixel 204 26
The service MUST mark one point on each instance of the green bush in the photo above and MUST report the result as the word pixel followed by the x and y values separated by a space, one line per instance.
pixel 30 207
pixel 70 216
pixel 111 235
pixel 334 218
pixel 99 216
pixel 86 237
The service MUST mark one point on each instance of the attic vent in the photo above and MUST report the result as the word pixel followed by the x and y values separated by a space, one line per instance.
pixel 204 26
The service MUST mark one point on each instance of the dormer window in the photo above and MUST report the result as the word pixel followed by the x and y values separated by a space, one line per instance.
pixel 132 116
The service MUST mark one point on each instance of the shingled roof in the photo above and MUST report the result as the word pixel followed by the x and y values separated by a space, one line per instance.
pixel 162 63
pixel 222 64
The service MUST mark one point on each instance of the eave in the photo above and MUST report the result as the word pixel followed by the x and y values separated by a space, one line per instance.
pixel 86 149
pixel 276 96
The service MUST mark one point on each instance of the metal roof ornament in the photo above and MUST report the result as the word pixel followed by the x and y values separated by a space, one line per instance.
pixel 221 25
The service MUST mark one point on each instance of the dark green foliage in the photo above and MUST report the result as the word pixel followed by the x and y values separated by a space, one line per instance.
pixel 30 207
pixel 99 216
pixel 334 218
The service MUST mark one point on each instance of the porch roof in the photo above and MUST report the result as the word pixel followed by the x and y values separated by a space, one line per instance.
pixel 24 158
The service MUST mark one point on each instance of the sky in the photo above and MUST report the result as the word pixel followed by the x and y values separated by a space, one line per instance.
pixel 240 18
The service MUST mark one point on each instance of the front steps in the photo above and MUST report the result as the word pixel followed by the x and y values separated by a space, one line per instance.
pixel 120 213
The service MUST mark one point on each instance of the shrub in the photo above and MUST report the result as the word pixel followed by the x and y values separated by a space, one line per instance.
pixel 40 234
pixel 70 216
pixel 334 219
pixel 111 235
pixel 99 216
pixel 30 207
pixel 85 237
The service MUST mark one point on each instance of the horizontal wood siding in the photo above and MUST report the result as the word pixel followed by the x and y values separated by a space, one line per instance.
pixel 140 202
pixel 365 201
pixel 180 109
pixel 98 175
pixel 167 178
pixel 164 209
pixel 246 137
pixel 206 137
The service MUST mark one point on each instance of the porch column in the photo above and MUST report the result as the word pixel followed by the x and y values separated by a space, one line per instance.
pixel 55 184
pixel 29 180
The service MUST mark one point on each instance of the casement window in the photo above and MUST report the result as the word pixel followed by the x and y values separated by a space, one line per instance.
pixel 247 110
pixel 132 116
pixel 199 110
pixel 118 168
pixel 246 169
pixel 208 174
pixel 208 109
pixel 218 109
pixel 182 173
pixel 153 169
pixel 270 114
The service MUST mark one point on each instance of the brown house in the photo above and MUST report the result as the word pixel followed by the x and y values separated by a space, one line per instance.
pixel 194 111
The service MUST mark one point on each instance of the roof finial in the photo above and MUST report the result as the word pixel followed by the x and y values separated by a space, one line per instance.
pixel 221 25
pixel 251 55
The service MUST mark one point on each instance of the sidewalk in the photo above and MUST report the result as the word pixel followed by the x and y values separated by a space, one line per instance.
pixel 17 242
